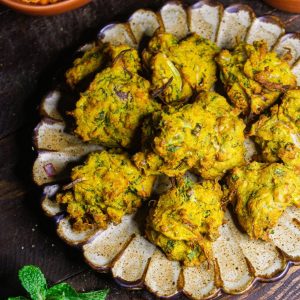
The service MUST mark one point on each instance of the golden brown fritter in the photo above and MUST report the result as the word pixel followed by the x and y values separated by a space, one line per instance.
pixel 253 77
pixel 260 193
pixel 105 188
pixel 206 135
pixel 278 135
pixel 180 68
pixel 111 110
pixel 161 42
pixel 185 221
pixel 90 62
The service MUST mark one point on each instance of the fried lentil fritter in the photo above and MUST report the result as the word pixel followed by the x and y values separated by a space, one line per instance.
pixel 91 61
pixel 206 135
pixel 110 111
pixel 180 68
pixel 105 188
pixel 254 77
pixel 185 221
pixel 260 193
pixel 278 135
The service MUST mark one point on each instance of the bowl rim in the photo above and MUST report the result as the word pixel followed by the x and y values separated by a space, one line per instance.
pixel 47 9
pixel 291 6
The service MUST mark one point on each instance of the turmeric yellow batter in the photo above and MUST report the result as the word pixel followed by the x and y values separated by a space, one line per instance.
pixel 278 135
pixel 253 77
pixel 105 188
pixel 185 221
pixel 88 63
pixel 180 68
pixel 203 134
pixel 260 193
pixel 111 110
pixel 206 135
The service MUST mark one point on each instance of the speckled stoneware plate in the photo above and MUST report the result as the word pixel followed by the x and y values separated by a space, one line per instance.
pixel 122 249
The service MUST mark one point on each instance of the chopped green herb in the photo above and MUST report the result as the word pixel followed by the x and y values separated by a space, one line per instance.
pixel 193 254
pixel 206 213
pixel 197 129
pixel 279 172
pixel 100 117
pixel 173 148
pixel 170 245
pixel 234 177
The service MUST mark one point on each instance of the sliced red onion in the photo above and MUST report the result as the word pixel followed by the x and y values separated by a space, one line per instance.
pixel 50 170
pixel 160 90
pixel 71 184
pixel 121 95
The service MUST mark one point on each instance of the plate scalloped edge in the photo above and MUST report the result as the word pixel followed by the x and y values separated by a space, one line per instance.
pixel 238 261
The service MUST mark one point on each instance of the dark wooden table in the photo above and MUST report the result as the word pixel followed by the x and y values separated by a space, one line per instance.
pixel 31 50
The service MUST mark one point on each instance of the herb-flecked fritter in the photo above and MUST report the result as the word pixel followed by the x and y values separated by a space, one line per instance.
pixel 278 135
pixel 254 77
pixel 111 110
pixel 185 221
pixel 192 129
pixel 90 62
pixel 206 135
pixel 103 190
pixel 260 193
pixel 180 68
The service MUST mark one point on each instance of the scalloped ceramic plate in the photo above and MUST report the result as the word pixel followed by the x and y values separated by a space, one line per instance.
pixel 122 249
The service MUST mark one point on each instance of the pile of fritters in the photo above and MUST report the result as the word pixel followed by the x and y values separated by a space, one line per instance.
pixel 161 108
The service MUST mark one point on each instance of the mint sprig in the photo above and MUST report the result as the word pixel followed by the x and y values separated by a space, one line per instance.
pixel 34 282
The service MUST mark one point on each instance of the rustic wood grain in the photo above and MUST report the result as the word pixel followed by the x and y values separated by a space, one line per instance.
pixel 32 50
pixel 33 47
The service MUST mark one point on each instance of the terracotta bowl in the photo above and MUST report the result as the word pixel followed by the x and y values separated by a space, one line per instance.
pixel 292 6
pixel 122 250
pixel 45 9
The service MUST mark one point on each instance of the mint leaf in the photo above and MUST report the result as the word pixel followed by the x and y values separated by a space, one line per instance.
pixel 61 290
pixel 34 282
pixel 64 291
pixel 98 295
